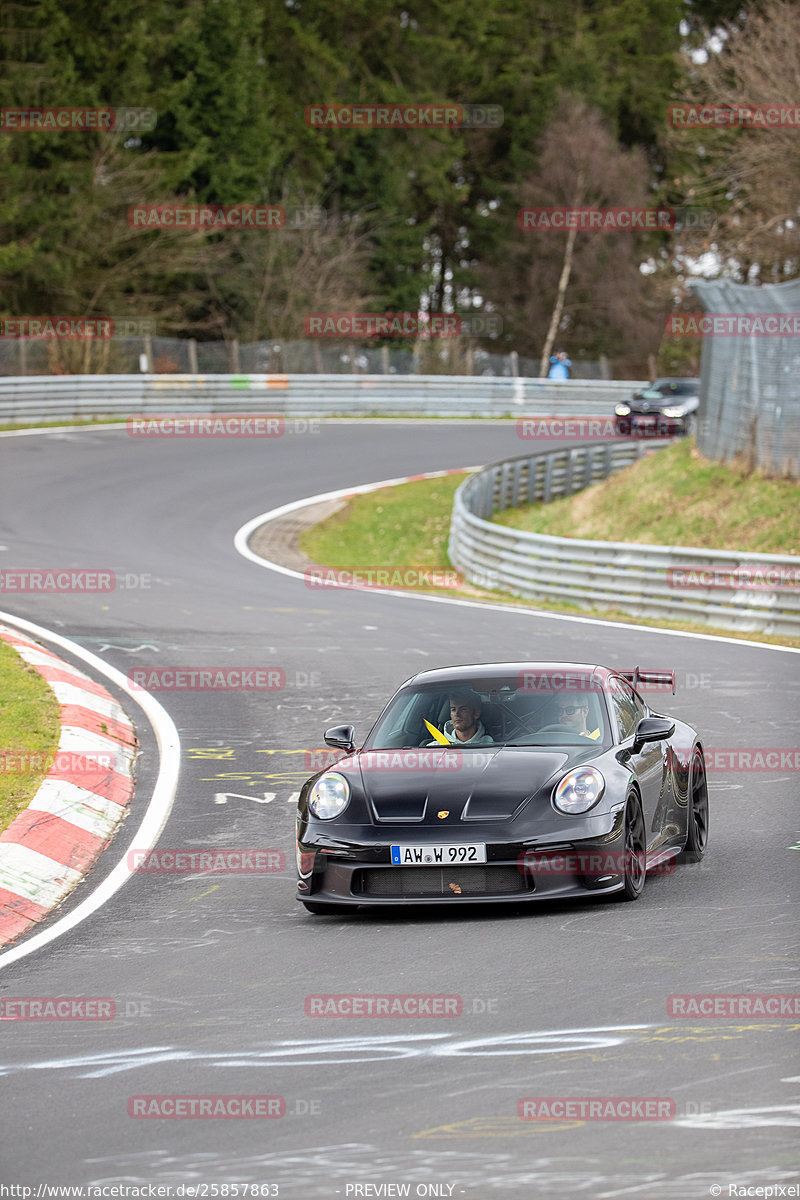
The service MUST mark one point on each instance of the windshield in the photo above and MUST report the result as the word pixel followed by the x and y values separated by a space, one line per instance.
pixel 527 708
pixel 668 388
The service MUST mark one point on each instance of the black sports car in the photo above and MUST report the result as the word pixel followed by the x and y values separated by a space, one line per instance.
pixel 504 782
pixel 664 408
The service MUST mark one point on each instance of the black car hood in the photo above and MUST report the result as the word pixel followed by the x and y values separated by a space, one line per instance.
pixel 484 784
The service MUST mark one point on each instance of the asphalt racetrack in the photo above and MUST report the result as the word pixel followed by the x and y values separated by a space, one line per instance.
pixel 210 973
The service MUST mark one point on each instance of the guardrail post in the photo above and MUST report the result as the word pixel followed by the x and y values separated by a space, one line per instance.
pixel 588 466
pixel 488 502
pixel 515 483
pixel 385 360
pixel 514 363
pixel 568 485
pixel 192 348
pixel 533 468
pixel 547 489
pixel 235 356
pixel 608 460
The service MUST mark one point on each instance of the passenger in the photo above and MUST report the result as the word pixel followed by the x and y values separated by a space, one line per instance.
pixel 575 713
pixel 465 727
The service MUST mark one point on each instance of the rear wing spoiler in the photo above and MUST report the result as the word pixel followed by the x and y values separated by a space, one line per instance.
pixel 645 680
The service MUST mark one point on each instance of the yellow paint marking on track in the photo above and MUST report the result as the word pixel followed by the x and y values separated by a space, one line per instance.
pixel 715 1030
pixel 288 777
pixel 317 750
pixel 496 1127
pixel 198 753
pixel 208 893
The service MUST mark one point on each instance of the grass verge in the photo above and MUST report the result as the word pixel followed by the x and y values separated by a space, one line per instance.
pixel 29 725
pixel 77 422
pixel 675 498
pixel 408 525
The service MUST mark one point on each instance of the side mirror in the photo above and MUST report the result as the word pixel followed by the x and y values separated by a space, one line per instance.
pixel 651 729
pixel 341 737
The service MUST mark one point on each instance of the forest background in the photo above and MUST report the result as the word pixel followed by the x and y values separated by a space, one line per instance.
pixel 416 219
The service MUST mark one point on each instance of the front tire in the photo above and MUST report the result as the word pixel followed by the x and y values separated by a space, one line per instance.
pixel 635 850
pixel 696 811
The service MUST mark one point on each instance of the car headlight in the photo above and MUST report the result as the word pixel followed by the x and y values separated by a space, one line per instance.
pixel 677 411
pixel 329 796
pixel 622 410
pixel 579 790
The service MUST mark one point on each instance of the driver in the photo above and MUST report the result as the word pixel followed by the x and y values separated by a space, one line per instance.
pixel 574 713
pixel 465 727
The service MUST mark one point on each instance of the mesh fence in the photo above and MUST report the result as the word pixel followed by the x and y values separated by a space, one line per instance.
pixel 130 355
pixel 750 397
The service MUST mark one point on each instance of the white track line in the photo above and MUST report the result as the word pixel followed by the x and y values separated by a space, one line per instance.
pixel 246 531
pixel 158 809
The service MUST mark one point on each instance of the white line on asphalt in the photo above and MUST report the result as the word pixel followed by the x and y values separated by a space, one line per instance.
pixel 243 535
pixel 158 809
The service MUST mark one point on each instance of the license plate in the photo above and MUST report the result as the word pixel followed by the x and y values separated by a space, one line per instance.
pixel 433 856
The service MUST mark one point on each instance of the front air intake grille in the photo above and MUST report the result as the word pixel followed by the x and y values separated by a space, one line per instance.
pixel 418 882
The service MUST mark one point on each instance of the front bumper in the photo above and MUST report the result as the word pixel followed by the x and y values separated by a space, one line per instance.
pixel 351 872
pixel 653 425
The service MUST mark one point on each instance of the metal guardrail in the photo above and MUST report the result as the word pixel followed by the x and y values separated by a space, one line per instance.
pixel 48 397
pixel 642 580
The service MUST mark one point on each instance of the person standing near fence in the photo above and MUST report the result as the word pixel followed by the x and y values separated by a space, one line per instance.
pixel 559 366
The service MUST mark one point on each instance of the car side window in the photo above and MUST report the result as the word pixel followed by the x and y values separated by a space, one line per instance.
pixel 628 707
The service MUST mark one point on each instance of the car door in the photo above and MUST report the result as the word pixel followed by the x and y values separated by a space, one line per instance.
pixel 650 764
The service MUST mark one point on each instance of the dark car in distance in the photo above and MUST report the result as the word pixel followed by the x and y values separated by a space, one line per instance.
pixel 665 408
pixel 505 782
